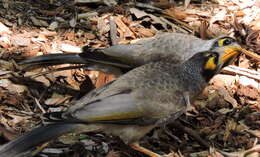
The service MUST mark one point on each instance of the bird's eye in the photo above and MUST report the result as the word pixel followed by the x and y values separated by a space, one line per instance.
pixel 228 41
pixel 224 42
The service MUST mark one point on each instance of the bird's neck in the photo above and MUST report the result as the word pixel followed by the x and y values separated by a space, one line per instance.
pixel 196 77
pixel 208 74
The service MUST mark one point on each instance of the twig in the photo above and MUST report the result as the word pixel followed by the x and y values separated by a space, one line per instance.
pixel 39 149
pixel 186 3
pixel 187 27
pixel 234 70
pixel 256 148
pixel 173 25
pixel 113 31
pixel 191 132
pixel 251 54
pixel 145 6
pixel 39 105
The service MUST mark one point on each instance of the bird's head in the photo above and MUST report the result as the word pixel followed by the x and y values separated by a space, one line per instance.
pixel 211 62
pixel 226 47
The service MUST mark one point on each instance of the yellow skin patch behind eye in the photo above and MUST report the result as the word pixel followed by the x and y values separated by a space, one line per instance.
pixel 210 65
pixel 221 42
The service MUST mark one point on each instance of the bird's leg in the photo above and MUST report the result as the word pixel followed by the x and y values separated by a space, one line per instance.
pixel 139 148
pixel 187 100
pixel 189 107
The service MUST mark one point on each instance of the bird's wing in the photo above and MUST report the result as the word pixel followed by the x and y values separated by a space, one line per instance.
pixel 128 107
pixel 155 48
pixel 122 107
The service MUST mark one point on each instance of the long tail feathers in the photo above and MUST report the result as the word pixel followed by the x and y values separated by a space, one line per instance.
pixel 52 59
pixel 87 57
pixel 98 56
pixel 34 138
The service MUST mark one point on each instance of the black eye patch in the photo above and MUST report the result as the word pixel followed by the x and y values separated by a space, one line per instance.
pixel 225 41
pixel 228 41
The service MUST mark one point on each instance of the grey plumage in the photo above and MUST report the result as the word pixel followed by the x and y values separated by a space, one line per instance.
pixel 130 106
pixel 119 59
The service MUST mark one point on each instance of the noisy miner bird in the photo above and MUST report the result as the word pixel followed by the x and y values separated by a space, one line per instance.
pixel 119 59
pixel 133 104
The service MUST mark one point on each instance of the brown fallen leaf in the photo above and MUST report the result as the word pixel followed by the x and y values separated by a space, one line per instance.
pixel 175 13
pixel 203 30
pixel 89 36
pixel 123 29
pixel 145 32
pixel 103 78
pixel 52 12
pixel 163 4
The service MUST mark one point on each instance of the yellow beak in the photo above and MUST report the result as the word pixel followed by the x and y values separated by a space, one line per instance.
pixel 229 52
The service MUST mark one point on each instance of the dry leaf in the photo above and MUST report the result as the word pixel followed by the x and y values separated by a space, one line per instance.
pixel 123 29
pixel 103 78
pixel 145 32
pixel 175 13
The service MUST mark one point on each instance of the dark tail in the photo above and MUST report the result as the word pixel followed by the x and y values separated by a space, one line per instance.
pixel 34 138
pixel 89 57
pixel 98 56
pixel 52 59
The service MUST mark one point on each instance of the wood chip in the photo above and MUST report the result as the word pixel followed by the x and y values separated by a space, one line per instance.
pixel 234 70
pixel 175 13
pixel 125 30
pixel 251 54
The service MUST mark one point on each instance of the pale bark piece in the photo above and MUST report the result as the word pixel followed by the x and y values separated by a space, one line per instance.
pixel 234 70
pixel 248 87
pixel 70 48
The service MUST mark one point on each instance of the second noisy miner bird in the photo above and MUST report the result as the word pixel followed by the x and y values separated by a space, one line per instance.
pixel 132 105
pixel 119 59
